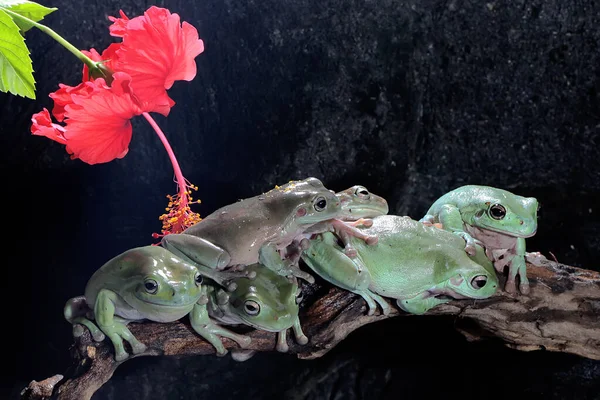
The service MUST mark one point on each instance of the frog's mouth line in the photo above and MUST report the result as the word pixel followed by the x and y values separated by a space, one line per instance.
pixel 511 234
pixel 168 307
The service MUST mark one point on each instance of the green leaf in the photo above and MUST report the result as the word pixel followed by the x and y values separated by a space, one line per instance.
pixel 28 9
pixel 16 70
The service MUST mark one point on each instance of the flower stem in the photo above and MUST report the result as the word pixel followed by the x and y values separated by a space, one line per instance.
pixel 85 59
pixel 178 174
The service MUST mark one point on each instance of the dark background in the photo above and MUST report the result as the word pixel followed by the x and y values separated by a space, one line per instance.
pixel 409 98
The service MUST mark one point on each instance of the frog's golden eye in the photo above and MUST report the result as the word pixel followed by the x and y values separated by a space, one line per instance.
pixel 320 203
pixel 151 286
pixel 198 278
pixel 251 307
pixel 497 211
pixel 362 192
pixel 479 281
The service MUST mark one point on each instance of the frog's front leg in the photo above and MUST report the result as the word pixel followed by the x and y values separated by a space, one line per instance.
pixel 207 257
pixel 282 345
pixel 270 258
pixel 420 304
pixel 451 220
pixel 75 311
pixel 518 267
pixel 345 230
pixel 113 326
pixel 210 331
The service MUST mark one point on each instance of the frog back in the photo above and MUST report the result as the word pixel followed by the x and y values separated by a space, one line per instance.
pixel 411 257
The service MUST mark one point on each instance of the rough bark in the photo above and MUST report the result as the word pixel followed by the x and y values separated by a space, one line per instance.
pixel 561 313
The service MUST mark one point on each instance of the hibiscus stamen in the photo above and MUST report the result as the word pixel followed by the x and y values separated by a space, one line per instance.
pixel 179 216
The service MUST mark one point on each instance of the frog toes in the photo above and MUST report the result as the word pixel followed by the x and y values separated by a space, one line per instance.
pixel 470 249
pixel 221 353
pixel 350 252
pixel 77 331
pixel 98 336
pixel 371 240
pixel 245 341
pixel 524 288
pixel 302 339
pixel 251 274
pixel 282 347
pixel 121 356
pixel 138 348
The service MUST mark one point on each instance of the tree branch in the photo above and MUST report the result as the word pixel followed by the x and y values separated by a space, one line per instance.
pixel 562 314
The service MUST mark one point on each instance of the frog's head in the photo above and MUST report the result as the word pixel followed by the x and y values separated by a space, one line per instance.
pixel 508 214
pixel 306 202
pixel 357 203
pixel 267 302
pixel 161 280
pixel 475 280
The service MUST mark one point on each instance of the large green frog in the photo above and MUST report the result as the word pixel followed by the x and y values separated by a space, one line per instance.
pixel 256 230
pixel 420 266
pixel 495 218
pixel 144 283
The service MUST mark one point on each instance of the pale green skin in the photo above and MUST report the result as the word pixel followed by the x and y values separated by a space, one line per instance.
pixel 258 230
pixel 465 211
pixel 116 295
pixel 254 230
pixel 420 266
pixel 269 302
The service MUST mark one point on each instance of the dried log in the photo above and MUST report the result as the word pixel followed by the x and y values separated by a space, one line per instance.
pixel 561 314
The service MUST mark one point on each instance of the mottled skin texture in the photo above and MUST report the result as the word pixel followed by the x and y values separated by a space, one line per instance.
pixel 144 283
pixel 257 229
pixel 269 302
pixel 420 266
pixel 497 219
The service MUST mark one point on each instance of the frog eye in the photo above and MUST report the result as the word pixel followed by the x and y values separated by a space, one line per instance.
pixel 198 279
pixel 362 193
pixel 479 281
pixel 251 307
pixel 151 286
pixel 320 203
pixel 497 211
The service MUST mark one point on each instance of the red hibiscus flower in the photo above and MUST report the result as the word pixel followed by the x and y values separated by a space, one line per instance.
pixel 131 78
pixel 157 50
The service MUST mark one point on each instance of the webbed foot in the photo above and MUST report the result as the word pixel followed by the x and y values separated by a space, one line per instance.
pixel 343 228
pixel 420 304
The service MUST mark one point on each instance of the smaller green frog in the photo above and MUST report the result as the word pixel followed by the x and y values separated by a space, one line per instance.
pixel 497 219
pixel 144 283
pixel 269 302
pixel 418 265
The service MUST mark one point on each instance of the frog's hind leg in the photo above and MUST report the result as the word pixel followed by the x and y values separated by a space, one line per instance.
pixel 421 303
pixel 74 312
pixel 210 331
pixel 114 326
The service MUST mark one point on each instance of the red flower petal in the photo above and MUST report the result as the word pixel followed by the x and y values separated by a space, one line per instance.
pixel 157 51
pixel 98 126
pixel 64 96
pixel 119 26
pixel 43 126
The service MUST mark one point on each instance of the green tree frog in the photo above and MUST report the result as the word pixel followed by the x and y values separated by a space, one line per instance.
pixel 269 302
pixel 495 218
pixel 420 266
pixel 144 283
